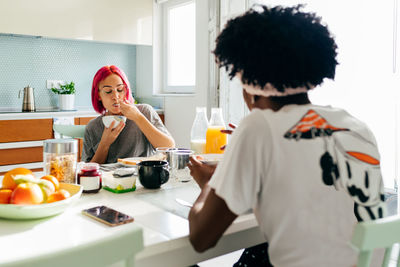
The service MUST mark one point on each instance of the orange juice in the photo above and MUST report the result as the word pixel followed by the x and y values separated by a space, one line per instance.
pixel 215 139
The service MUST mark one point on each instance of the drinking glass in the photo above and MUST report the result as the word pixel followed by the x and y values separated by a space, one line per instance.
pixel 179 160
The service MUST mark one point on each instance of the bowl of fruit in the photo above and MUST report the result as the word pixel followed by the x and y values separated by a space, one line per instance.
pixel 24 196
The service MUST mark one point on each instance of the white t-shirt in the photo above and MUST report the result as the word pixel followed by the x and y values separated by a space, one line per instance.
pixel 273 165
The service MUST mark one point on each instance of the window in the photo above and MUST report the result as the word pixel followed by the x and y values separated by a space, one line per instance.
pixel 177 55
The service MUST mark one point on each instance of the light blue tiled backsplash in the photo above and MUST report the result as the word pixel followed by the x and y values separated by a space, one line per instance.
pixel 31 60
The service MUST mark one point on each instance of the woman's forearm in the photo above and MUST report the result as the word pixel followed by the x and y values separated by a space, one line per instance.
pixel 156 137
pixel 208 219
pixel 100 156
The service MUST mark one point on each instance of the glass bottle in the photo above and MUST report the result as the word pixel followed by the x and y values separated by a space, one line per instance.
pixel 214 138
pixel 198 131
pixel 89 177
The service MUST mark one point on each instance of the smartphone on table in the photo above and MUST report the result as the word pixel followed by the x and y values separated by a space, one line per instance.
pixel 108 215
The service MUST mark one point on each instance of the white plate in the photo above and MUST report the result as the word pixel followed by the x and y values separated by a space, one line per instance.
pixel 136 159
pixel 211 159
pixel 12 211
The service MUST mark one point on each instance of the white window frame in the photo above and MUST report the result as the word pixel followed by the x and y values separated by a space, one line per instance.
pixel 160 49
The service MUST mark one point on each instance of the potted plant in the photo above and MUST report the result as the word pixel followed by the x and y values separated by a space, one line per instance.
pixel 66 95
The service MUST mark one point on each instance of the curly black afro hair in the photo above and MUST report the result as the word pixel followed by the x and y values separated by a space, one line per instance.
pixel 281 46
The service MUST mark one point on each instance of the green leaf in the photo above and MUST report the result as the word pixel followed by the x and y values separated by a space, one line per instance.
pixel 65 89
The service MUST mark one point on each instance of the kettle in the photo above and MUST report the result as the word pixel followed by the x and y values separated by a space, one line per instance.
pixel 29 99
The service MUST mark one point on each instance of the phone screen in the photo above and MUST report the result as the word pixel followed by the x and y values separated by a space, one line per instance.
pixel 108 215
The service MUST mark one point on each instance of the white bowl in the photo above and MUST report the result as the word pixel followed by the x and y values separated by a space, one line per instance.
pixel 210 159
pixel 18 212
pixel 110 118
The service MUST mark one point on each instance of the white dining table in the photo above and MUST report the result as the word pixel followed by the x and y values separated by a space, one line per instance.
pixel 162 219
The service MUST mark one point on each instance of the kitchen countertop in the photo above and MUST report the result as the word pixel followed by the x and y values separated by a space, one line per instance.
pixel 45 113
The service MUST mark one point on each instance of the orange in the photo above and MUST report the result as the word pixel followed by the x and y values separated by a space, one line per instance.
pixel 27 193
pixel 8 179
pixel 5 195
pixel 59 195
pixel 53 180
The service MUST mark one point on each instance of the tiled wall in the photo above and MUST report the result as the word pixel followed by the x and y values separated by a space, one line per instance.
pixel 30 60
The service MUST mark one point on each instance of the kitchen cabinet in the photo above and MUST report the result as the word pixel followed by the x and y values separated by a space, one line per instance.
pixel 25 130
pixel 21 139
pixel 24 139
pixel 118 21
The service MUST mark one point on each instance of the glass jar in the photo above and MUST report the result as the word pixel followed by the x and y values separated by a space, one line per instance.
pixel 214 138
pixel 60 157
pixel 198 131
pixel 89 176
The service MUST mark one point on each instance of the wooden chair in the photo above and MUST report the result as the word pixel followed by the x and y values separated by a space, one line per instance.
pixel 382 233
pixel 74 131
pixel 119 247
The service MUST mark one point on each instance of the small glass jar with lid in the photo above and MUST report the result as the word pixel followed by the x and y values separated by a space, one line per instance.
pixel 60 158
pixel 89 176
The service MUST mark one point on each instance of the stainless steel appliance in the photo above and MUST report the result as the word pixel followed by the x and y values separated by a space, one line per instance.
pixel 28 103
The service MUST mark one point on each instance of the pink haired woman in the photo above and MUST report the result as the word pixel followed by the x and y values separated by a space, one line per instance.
pixel 138 137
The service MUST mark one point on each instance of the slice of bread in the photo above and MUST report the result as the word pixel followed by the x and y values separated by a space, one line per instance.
pixel 135 160
pixel 130 161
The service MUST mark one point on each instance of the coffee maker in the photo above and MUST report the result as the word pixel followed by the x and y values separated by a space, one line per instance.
pixel 28 104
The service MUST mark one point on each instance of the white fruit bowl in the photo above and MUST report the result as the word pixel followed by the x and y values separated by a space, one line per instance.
pixel 110 118
pixel 24 212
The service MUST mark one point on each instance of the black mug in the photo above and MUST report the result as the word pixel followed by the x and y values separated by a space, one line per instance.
pixel 153 173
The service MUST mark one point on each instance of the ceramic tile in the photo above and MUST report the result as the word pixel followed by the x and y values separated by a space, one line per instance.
pixel 31 60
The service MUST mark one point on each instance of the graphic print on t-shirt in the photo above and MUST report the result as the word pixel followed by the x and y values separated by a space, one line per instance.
pixel 349 162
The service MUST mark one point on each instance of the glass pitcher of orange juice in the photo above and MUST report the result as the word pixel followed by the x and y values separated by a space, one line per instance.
pixel 214 138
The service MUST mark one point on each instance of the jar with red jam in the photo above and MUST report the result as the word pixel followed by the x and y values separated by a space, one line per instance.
pixel 89 176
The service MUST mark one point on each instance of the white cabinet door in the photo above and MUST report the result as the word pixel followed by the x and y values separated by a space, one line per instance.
pixel 120 21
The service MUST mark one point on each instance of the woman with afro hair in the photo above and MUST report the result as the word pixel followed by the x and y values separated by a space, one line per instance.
pixel 308 172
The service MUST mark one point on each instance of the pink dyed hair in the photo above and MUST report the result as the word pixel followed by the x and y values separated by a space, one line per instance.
pixel 100 75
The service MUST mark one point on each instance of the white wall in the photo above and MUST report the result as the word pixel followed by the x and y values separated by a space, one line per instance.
pixel 180 110
pixel 144 71
pixel 143 89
